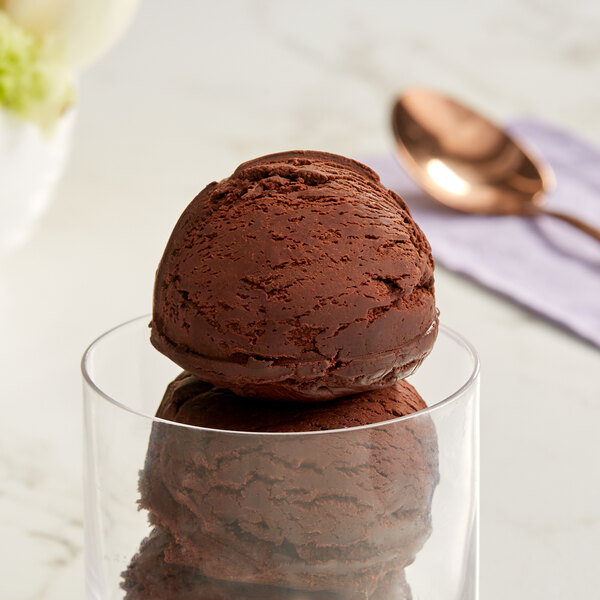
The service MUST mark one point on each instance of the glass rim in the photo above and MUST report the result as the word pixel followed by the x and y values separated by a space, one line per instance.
pixel 443 329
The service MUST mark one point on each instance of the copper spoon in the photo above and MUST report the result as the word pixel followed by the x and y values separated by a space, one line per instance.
pixel 467 162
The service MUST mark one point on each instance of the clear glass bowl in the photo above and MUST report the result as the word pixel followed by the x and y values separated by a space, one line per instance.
pixel 386 511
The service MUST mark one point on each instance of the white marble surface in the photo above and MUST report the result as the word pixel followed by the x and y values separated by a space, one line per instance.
pixel 191 91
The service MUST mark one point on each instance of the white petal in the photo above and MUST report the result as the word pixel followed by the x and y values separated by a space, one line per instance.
pixel 80 29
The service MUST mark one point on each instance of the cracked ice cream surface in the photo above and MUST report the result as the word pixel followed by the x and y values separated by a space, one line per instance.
pixel 342 511
pixel 149 576
pixel 298 277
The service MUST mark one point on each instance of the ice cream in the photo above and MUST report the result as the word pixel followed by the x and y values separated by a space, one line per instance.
pixel 297 294
pixel 300 277
pixel 150 577
pixel 339 512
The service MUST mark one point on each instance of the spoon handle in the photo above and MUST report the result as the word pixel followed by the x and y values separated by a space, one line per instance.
pixel 582 225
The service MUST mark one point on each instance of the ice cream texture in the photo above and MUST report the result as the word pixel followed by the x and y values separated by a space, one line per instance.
pixel 285 461
pixel 340 512
pixel 150 577
pixel 299 277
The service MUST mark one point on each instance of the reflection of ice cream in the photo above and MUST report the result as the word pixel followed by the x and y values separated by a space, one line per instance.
pixel 298 277
pixel 150 577
pixel 339 511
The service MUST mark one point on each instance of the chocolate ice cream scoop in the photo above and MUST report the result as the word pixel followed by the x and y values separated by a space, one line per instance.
pixel 150 577
pixel 339 509
pixel 298 277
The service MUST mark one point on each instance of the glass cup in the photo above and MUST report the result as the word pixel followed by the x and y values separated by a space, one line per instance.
pixel 386 511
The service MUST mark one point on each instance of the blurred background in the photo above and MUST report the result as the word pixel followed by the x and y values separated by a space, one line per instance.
pixel 191 90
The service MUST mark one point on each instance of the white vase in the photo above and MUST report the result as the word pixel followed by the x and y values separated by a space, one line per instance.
pixel 30 167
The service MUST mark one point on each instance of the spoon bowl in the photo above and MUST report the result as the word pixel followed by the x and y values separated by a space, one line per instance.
pixel 468 163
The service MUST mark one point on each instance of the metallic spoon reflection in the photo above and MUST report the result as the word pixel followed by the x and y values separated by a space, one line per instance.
pixel 468 163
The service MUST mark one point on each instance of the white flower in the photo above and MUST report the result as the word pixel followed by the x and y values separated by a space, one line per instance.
pixel 79 30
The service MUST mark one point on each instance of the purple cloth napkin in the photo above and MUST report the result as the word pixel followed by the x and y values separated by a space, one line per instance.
pixel 543 263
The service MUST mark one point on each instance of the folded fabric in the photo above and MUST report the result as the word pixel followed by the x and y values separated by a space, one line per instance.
pixel 541 262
